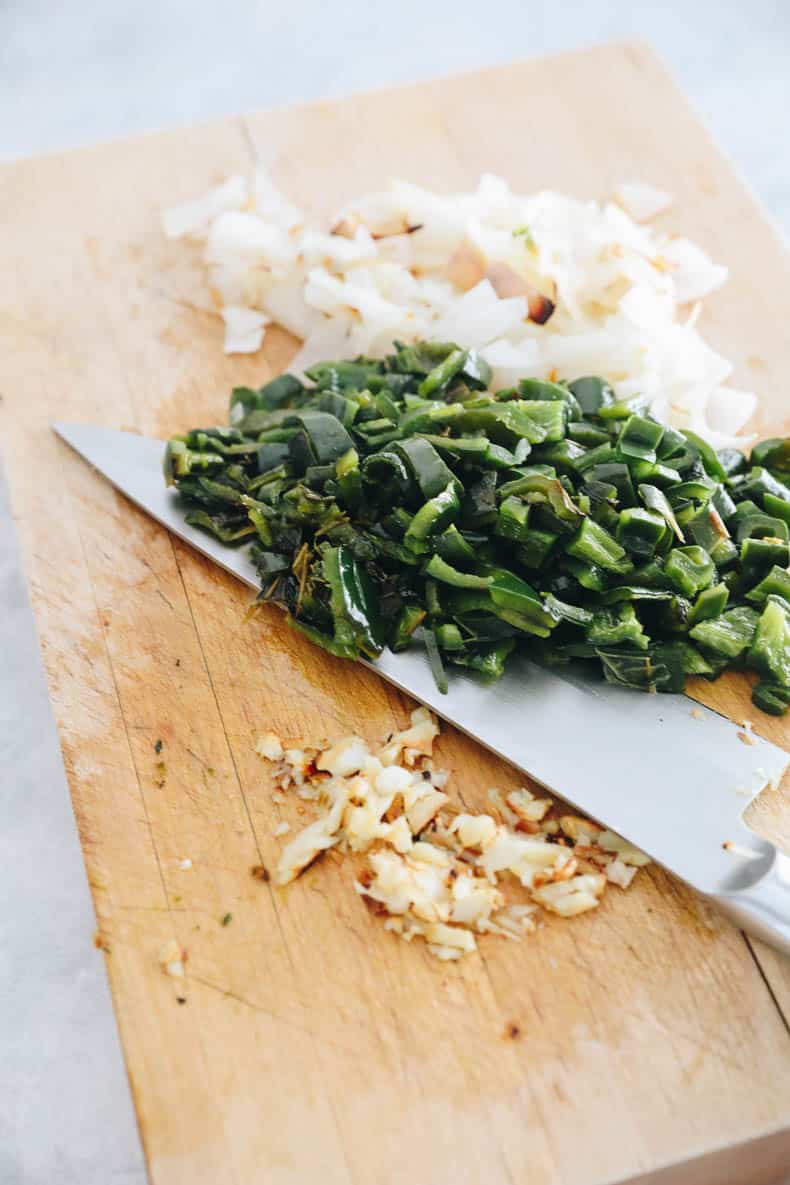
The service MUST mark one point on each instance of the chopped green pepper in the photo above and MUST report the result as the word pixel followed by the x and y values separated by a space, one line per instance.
pixel 690 569
pixel 775 583
pixel 640 531
pixel 396 501
pixel 710 603
pixel 773 698
pixel 728 635
pixel 432 517
pixel 594 544
pixel 770 651
pixel 640 438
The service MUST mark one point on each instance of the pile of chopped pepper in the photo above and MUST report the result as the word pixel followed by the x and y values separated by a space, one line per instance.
pixel 399 502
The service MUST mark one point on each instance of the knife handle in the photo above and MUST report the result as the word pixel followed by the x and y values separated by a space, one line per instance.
pixel 762 907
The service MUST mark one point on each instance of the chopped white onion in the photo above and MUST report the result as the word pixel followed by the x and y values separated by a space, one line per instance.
pixel 243 329
pixel 545 285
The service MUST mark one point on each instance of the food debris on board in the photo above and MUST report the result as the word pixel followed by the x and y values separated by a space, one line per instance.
pixel 432 870
pixel 172 958
pixel 739 850
pixel 541 284
pixel 747 737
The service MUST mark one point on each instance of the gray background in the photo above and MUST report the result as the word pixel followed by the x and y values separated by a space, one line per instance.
pixel 65 1113
pixel 71 73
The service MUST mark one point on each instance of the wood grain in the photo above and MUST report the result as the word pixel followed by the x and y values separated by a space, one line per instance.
pixel 313 1045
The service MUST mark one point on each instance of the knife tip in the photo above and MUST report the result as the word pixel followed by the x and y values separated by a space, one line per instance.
pixel 70 432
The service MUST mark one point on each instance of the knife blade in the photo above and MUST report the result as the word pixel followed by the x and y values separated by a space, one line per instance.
pixel 670 776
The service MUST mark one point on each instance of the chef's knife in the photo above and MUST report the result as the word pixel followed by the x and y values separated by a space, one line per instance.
pixel 671 777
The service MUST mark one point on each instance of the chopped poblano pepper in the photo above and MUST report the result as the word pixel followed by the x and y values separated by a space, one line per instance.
pixel 710 603
pixel 657 501
pixel 512 519
pixel 707 456
pixel 775 583
pixel 399 502
pixel 729 634
pixel 594 543
pixel 640 438
pixel 411 616
pixel 536 547
pixel 690 569
pixel 640 531
pixel 773 698
pixel 432 518
pixel 618 626
pixel 770 650
pixel 439 569
pixel 777 507
pixel 758 555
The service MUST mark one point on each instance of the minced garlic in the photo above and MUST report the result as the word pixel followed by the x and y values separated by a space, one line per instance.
pixel 438 873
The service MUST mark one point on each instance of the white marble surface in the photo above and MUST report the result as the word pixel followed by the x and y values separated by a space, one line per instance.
pixel 73 73
pixel 65 1111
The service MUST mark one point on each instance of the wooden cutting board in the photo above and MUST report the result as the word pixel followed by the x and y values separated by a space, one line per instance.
pixel 313 1046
